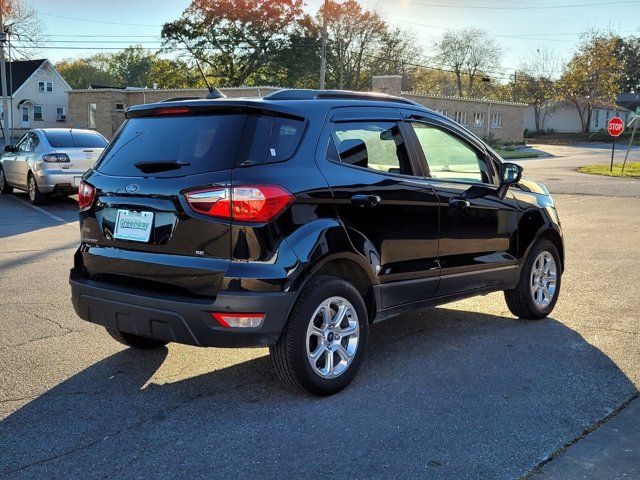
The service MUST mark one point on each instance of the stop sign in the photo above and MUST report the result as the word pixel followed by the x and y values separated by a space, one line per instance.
pixel 615 127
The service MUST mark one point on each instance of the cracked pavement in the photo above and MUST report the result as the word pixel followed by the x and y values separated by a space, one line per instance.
pixel 460 391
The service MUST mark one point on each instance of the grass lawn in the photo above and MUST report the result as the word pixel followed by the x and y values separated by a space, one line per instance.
pixel 631 170
pixel 511 154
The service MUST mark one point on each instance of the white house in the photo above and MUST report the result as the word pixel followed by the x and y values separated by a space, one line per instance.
pixel 38 96
pixel 560 118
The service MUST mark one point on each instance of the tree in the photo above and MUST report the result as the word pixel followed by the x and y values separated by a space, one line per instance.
pixel 593 75
pixel 534 84
pixel 83 72
pixel 131 66
pixel 628 53
pixel 234 39
pixel 26 31
pixel 469 53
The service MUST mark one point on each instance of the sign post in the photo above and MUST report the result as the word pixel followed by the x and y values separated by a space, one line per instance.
pixel 635 119
pixel 615 126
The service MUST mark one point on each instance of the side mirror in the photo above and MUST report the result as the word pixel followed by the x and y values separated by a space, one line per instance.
pixel 510 173
pixel 9 148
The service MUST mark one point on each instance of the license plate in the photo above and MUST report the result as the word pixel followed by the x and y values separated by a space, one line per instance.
pixel 76 181
pixel 135 226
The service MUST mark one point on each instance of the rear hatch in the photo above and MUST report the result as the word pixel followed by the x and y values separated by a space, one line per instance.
pixel 141 227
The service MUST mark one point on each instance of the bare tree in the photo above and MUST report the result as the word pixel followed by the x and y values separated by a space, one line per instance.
pixel 469 53
pixel 534 83
pixel 26 31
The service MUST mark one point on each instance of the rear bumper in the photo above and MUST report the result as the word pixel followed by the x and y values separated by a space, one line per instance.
pixel 179 319
pixel 58 181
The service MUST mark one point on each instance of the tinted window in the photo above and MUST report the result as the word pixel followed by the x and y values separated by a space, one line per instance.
pixel 375 145
pixel 206 143
pixel 71 139
pixel 450 158
pixel 270 139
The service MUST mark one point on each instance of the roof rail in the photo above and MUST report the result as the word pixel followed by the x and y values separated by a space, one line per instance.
pixel 308 94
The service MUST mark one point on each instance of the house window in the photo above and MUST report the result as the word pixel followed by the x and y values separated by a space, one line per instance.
pixel 443 112
pixel 120 107
pixel 461 118
pixel 45 87
pixel 37 112
pixel 496 120
pixel 91 120
pixel 596 119
pixel 478 119
pixel 61 114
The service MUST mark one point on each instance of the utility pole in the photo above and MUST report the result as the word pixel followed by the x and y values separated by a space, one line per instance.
pixel 3 79
pixel 323 48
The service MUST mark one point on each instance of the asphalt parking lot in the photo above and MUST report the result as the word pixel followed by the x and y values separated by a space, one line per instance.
pixel 461 391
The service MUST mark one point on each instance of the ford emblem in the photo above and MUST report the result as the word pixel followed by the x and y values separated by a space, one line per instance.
pixel 132 188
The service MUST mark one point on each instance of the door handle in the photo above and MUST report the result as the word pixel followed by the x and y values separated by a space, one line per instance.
pixel 365 200
pixel 457 202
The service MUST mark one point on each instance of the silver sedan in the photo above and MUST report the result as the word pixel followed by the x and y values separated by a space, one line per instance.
pixel 49 161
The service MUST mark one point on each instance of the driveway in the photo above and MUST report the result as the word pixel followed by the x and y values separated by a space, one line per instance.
pixel 461 391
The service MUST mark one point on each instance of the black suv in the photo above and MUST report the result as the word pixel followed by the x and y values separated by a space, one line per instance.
pixel 296 221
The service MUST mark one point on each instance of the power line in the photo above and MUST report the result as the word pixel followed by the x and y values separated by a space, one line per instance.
pixel 539 7
pixel 98 21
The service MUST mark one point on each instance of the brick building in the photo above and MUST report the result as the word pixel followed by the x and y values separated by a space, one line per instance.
pixel 489 119
pixel 102 109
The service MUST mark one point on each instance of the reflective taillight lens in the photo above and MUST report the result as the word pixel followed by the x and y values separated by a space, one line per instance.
pixel 246 203
pixel 238 320
pixel 86 195
pixel 56 158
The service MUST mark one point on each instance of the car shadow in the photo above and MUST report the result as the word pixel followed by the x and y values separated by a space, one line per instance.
pixel 17 216
pixel 442 394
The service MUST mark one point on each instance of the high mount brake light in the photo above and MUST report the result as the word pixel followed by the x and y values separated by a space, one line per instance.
pixel 245 203
pixel 172 111
pixel 86 196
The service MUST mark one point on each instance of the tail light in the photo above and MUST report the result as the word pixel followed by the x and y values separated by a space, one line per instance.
pixel 56 158
pixel 86 195
pixel 238 320
pixel 246 203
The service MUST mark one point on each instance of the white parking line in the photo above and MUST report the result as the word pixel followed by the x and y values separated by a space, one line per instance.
pixel 41 210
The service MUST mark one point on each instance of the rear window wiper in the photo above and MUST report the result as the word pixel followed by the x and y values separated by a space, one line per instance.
pixel 155 167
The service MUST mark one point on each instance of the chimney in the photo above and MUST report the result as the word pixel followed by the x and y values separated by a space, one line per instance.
pixel 389 84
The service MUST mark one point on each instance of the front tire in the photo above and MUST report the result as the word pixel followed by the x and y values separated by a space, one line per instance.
pixel 537 292
pixel 135 341
pixel 4 186
pixel 35 196
pixel 321 348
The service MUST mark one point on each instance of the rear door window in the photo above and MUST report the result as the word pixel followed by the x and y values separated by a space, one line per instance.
pixel 71 139
pixel 201 143
pixel 270 139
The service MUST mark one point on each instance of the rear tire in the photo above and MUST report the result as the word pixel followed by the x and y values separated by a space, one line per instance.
pixel 4 186
pixel 328 322
pixel 537 292
pixel 135 341
pixel 35 196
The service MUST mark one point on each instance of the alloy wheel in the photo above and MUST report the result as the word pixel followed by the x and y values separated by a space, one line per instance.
pixel 543 279
pixel 332 337
pixel 32 188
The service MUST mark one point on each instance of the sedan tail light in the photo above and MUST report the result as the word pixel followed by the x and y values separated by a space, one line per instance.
pixel 86 195
pixel 246 203
pixel 56 158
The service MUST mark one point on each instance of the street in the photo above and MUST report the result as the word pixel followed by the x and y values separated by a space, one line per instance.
pixel 460 391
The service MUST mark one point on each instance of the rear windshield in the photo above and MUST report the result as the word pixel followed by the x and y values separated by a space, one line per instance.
pixel 71 139
pixel 200 143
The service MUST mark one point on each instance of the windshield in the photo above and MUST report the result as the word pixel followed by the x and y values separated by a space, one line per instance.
pixel 71 139
pixel 202 143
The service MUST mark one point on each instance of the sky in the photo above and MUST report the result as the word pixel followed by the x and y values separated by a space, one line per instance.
pixel 78 28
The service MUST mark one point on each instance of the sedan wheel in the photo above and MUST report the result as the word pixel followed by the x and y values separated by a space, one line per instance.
pixel 36 197
pixel 4 186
